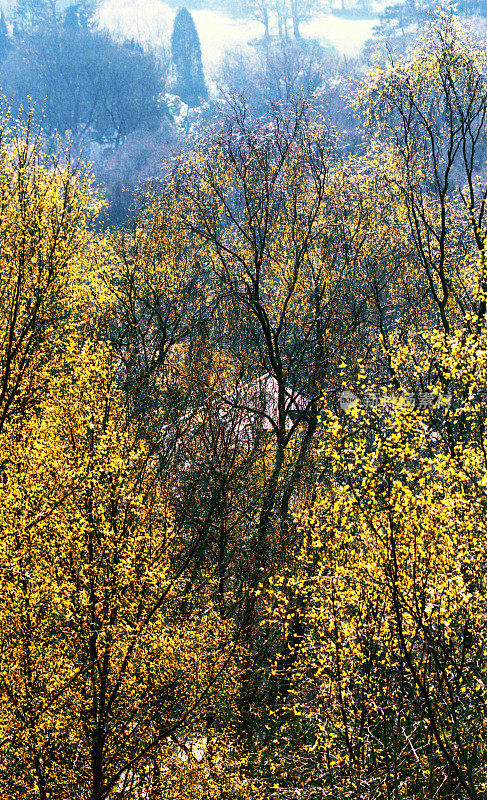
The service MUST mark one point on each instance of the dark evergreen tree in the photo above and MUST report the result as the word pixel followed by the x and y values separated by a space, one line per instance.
pixel 71 18
pixel 186 56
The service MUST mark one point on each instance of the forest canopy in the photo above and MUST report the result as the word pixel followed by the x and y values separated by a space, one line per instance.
pixel 242 455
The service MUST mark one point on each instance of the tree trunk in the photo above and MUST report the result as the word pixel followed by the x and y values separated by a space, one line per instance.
pixel 266 23
pixel 97 766
pixel 297 34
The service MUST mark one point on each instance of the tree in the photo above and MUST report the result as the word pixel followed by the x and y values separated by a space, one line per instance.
pixel 97 666
pixel 254 208
pixel 101 689
pixel 278 12
pixel 44 229
pixel 186 56
pixel 430 114
pixel 301 11
pixel 87 84
pixel 260 10
pixel 129 84
pixel 280 73
pixel 386 687
pixel 380 682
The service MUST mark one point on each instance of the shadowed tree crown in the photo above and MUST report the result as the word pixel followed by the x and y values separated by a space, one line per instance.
pixel 186 55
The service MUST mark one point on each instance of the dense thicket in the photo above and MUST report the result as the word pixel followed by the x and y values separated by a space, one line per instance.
pixel 242 458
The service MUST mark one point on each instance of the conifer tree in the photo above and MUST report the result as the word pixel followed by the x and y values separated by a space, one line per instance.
pixel 71 18
pixel 186 55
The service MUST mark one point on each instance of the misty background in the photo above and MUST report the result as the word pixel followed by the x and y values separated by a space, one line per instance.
pixel 132 83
